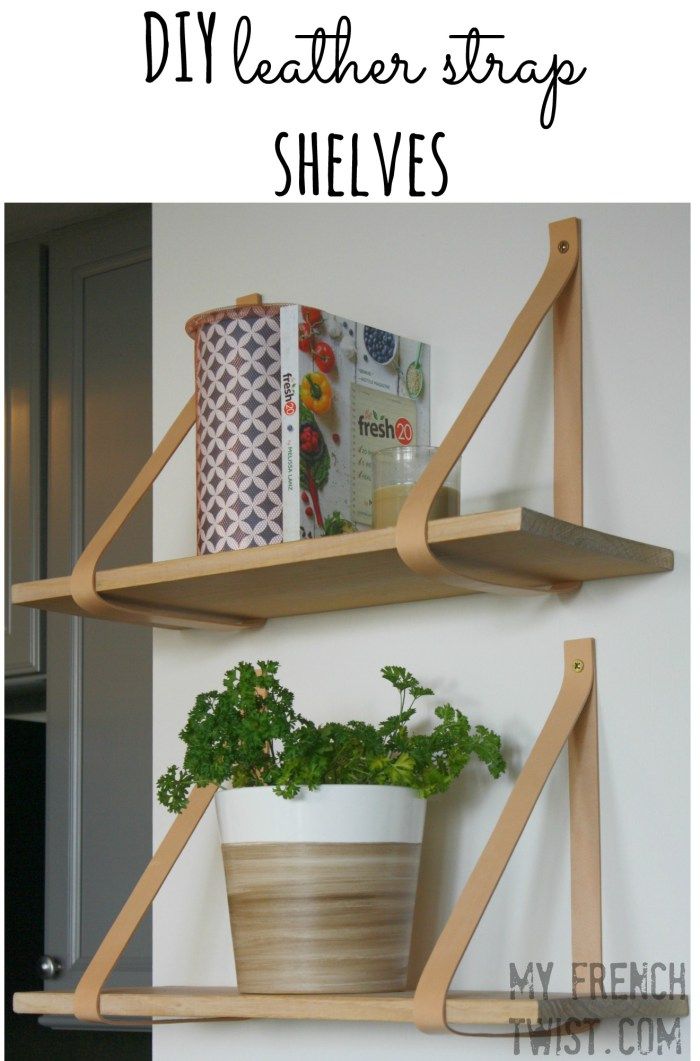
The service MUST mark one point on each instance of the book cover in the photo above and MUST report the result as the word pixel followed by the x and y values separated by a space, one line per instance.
pixel 347 390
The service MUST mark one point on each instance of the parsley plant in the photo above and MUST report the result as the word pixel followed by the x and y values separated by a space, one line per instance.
pixel 248 734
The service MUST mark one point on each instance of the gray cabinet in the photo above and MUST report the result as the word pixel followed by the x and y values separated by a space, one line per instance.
pixel 25 438
pixel 97 387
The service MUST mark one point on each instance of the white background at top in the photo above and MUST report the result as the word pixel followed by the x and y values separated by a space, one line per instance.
pixel 80 122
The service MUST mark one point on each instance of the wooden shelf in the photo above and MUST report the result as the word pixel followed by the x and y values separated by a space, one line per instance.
pixel 462 1007
pixel 363 569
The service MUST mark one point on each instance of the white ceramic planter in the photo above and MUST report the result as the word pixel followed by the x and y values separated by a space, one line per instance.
pixel 321 888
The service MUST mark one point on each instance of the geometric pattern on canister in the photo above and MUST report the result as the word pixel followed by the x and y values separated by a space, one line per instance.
pixel 239 430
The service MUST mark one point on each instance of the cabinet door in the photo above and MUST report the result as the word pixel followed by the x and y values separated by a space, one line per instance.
pixel 98 673
pixel 25 360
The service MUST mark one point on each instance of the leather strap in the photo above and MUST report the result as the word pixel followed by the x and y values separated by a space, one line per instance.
pixel 83 579
pixel 575 694
pixel 412 526
pixel 567 341
pixel 86 1004
pixel 584 830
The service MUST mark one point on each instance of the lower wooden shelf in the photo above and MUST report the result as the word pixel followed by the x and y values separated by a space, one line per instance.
pixel 462 1007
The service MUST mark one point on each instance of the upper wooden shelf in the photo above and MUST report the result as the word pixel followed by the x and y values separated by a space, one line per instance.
pixel 474 1007
pixel 363 569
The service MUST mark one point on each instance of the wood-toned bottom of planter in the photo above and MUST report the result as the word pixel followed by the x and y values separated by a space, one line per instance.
pixel 321 917
pixel 471 1007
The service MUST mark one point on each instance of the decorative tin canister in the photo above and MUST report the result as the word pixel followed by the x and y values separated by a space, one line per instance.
pixel 239 433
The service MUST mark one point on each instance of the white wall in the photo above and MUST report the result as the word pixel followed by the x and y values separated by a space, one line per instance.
pixel 456 276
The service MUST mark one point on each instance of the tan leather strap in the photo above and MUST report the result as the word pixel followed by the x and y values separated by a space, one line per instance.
pixel 83 579
pixel 86 1004
pixel 584 831
pixel 575 694
pixel 412 526
pixel 567 341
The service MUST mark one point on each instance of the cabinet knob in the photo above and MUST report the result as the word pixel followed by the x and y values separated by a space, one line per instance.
pixel 49 968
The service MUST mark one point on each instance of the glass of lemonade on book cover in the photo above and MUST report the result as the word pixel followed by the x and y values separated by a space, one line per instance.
pixel 395 471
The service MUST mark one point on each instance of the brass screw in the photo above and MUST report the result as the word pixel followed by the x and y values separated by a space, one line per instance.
pixel 578 665
pixel 563 246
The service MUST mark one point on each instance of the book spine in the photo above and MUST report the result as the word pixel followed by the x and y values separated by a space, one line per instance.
pixel 289 399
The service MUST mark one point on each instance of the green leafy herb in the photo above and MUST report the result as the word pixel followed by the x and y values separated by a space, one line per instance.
pixel 248 734
pixel 337 524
